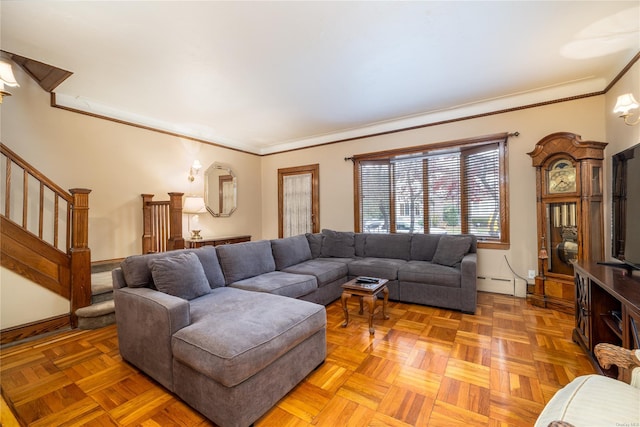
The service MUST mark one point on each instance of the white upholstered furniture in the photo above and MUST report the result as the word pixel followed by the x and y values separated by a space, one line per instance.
pixel 597 400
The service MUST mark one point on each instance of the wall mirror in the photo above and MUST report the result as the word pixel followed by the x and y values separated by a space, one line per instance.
pixel 220 190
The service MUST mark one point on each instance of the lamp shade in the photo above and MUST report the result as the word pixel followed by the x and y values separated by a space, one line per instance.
pixel 625 103
pixel 6 74
pixel 193 205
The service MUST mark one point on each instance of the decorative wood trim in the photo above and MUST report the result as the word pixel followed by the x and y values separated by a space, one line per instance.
pixel 80 253
pixel 32 329
pixel 465 143
pixel 47 76
pixel 54 104
pixel 176 241
pixel 162 223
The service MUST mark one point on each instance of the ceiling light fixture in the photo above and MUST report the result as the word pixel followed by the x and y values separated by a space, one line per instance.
pixel 6 78
pixel 625 104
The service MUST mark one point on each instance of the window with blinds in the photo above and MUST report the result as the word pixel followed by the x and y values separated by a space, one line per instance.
pixel 451 189
pixel 375 196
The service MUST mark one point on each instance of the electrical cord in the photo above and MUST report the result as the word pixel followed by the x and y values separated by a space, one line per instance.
pixel 517 275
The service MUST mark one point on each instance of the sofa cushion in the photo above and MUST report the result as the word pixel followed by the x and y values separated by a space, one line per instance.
pixel 359 241
pixel 209 260
pixel 234 333
pixel 290 251
pixel 388 246
pixel 325 271
pixel 137 273
pixel 340 244
pixel 279 283
pixel 315 244
pixel 242 260
pixel 383 268
pixel 593 400
pixel 451 250
pixel 180 275
pixel 429 273
pixel 423 246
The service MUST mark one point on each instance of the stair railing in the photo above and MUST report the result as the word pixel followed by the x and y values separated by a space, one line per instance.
pixel 34 206
pixel 162 223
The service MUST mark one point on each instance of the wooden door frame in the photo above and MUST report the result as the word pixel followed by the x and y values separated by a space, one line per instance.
pixel 314 170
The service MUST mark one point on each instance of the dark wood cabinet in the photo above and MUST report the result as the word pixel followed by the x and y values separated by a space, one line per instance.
pixel 607 308
pixel 215 241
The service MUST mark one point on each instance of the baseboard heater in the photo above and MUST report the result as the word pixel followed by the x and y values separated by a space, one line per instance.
pixel 499 285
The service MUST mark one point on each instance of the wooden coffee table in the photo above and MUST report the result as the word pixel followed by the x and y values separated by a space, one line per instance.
pixel 367 292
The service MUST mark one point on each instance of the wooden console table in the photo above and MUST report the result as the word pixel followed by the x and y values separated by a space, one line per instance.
pixel 215 241
pixel 607 308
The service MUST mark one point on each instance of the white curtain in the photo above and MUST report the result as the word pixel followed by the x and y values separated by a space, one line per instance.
pixel 296 216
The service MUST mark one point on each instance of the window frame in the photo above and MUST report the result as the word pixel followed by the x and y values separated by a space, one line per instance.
pixel 463 146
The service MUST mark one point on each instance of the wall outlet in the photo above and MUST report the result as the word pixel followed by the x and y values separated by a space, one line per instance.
pixel 532 274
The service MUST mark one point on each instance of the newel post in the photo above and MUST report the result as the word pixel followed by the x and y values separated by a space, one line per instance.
pixel 147 234
pixel 80 252
pixel 176 241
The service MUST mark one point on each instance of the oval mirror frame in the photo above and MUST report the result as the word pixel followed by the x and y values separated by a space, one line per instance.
pixel 220 190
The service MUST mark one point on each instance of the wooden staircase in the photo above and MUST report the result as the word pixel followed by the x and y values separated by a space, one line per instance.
pixel 44 232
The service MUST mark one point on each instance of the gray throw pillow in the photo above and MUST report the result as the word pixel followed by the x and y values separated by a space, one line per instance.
pixel 290 251
pixel 451 250
pixel 339 244
pixel 315 244
pixel 180 275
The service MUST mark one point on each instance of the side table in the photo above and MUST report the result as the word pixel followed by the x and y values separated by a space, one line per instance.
pixel 366 292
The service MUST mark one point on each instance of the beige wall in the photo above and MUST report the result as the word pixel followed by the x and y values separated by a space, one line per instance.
pixel 619 137
pixel 119 162
pixel 584 117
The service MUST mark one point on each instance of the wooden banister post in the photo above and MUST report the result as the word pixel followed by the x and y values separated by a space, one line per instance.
pixel 176 241
pixel 80 252
pixel 147 233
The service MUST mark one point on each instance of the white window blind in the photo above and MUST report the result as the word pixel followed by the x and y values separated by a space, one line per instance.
pixel 375 196
pixel 443 188
pixel 482 190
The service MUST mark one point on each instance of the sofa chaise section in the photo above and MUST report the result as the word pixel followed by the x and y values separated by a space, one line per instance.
pixel 263 345
pixel 227 352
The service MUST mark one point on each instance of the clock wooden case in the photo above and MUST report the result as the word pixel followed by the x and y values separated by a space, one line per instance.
pixel 569 214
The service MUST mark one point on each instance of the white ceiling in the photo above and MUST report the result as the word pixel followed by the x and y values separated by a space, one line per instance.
pixel 270 76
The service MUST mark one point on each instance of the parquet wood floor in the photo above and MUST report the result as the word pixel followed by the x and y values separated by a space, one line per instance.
pixel 424 367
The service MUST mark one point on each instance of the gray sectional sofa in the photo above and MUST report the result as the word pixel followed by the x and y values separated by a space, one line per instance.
pixel 232 329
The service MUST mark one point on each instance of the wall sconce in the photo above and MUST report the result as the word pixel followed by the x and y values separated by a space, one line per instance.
pixel 6 78
pixel 194 169
pixel 193 205
pixel 625 104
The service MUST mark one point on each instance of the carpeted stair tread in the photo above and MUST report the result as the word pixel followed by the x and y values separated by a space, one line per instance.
pixel 101 283
pixel 96 310
pixel 97 315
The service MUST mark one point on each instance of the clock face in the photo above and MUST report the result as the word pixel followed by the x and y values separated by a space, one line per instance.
pixel 561 177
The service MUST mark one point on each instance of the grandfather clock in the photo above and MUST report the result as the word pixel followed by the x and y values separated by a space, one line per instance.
pixel 569 212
